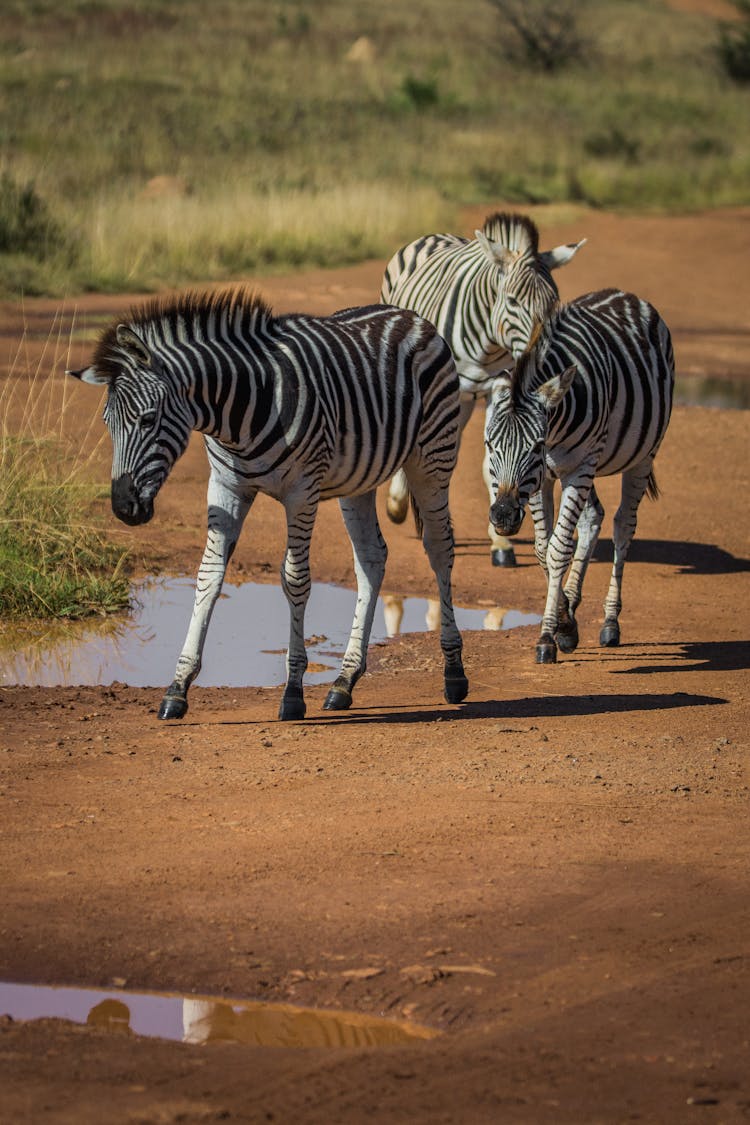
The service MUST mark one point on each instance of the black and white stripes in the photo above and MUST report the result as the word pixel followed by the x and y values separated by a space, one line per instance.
pixel 592 397
pixel 303 409
pixel 486 297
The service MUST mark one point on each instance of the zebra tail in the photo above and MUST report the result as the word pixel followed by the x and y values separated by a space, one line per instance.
pixel 418 524
pixel 652 488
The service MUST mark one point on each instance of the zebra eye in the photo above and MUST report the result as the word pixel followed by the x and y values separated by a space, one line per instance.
pixel 147 420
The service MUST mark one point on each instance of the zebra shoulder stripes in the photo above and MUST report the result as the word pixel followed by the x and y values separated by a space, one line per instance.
pixel 592 397
pixel 303 409
pixel 485 296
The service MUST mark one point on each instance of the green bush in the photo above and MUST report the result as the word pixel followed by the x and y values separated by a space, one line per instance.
pixel 26 226
pixel 734 44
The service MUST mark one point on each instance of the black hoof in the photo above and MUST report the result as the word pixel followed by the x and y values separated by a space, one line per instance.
pixel 173 707
pixel 546 653
pixel 503 558
pixel 610 635
pixel 567 641
pixel 292 707
pixel 456 689
pixel 338 699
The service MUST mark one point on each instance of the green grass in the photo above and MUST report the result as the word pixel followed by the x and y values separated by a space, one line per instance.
pixel 260 111
pixel 54 559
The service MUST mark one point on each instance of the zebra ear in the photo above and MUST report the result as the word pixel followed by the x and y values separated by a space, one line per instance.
pixel 131 342
pixel 89 375
pixel 554 390
pixel 561 255
pixel 498 254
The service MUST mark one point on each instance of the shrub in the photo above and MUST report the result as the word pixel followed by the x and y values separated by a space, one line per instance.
pixel 544 34
pixel 26 226
pixel 734 44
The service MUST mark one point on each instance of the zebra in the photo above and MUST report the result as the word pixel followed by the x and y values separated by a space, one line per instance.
pixel 485 296
pixel 592 397
pixel 300 408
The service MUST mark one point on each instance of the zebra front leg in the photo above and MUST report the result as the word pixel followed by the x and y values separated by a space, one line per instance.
pixel 370 553
pixel 634 483
pixel 226 514
pixel 558 555
pixel 295 582
pixel 589 526
pixel 437 538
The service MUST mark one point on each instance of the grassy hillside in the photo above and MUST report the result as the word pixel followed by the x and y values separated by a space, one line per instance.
pixel 285 149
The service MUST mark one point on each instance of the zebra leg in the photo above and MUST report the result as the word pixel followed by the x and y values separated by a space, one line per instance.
pixel 226 515
pixel 558 556
pixel 295 582
pixel 437 537
pixel 589 526
pixel 370 553
pixel 634 484
pixel 542 508
pixel 501 548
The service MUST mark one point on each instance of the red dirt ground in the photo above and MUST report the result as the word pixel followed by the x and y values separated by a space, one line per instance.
pixel 555 875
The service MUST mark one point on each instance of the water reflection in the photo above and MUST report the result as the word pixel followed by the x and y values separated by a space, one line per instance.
pixel 204 1019
pixel 246 644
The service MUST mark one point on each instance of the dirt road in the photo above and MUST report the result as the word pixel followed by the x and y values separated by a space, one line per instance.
pixel 554 875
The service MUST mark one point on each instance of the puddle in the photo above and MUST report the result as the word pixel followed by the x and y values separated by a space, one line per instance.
pixel 246 642
pixel 204 1019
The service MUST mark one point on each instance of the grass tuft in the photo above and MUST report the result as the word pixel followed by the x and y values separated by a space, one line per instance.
pixel 54 559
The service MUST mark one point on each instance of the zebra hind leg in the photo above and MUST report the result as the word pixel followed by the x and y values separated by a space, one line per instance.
pixel 370 553
pixel 635 482
pixel 432 503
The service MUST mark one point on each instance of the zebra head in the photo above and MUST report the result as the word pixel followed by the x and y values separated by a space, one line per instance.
pixel 526 293
pixel 146 416
pixel 516 435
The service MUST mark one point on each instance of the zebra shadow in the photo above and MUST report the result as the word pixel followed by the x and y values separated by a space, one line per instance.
pixel 535 707
pixel 698 656
pixel 688 558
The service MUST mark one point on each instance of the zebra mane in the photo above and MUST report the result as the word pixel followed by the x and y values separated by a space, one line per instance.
pixel 528 367
pixel 188 315
pixel 516 232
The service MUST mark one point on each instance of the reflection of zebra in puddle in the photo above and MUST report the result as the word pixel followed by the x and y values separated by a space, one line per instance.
pixel 393 613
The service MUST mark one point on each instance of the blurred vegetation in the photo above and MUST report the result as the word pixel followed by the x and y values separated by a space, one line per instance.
pixel 289 133
pixel 734 44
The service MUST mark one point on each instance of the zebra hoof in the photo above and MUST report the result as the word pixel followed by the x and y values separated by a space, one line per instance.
pixel 567 641
pixel 338 699
pixel 501 557
pixel 456 689
pixel 610 635
pixel 173 707
pixel 546 652
pixel 292 707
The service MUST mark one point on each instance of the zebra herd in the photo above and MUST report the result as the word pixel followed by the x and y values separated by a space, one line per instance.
pixel 308 408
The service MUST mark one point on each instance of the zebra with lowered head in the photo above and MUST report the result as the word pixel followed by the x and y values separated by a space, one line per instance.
pixel 485 296
pixel 300 408
pixel 592 397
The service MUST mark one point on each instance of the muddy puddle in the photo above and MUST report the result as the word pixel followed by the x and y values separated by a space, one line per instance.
pixel 205 1019
pixel 246 643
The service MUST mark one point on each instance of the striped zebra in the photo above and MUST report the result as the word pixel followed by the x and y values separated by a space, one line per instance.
pixel 485 296
pixel 302 409
pixel 592 397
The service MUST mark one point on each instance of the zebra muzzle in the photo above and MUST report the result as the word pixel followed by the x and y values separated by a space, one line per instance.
pixel 127 505
pixel 506 514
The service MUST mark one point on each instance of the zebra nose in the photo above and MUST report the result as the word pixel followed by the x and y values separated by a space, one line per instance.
pixel 506 514
pixel 126 504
